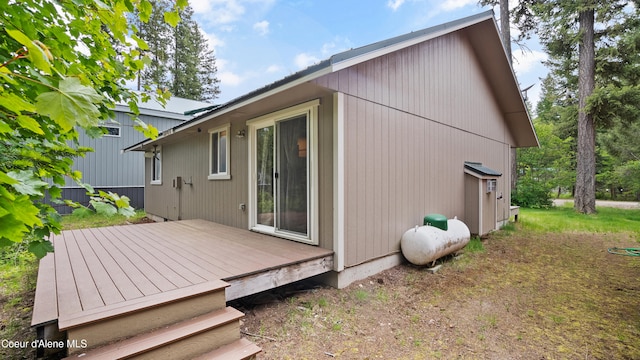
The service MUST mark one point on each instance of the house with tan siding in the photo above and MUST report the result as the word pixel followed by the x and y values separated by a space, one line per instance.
pixel 349 153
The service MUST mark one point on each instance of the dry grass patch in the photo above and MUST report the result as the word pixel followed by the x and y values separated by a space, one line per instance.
pixel 528 295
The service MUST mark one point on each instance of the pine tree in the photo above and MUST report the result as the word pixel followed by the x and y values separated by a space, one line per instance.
pixel 181 59
pixel 574 34
pixel 157 33
pixel 207 72
pixel 194 69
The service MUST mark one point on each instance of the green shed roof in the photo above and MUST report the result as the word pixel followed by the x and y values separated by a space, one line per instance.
pixel 480 169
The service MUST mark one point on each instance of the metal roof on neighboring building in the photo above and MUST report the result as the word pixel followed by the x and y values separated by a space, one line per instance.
pixel 176 108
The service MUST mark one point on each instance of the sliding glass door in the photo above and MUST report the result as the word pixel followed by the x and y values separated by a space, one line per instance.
pixel 281 177
pixel 292 176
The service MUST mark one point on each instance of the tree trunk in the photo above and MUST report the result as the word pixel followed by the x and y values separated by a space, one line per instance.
pixel 505 34
pixel 585 197
pixel 505 31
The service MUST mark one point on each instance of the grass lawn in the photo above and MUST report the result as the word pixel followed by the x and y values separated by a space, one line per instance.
pixel 82 220
pixel 566 219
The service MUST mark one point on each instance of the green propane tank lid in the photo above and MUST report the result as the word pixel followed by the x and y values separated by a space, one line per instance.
pixel 437 220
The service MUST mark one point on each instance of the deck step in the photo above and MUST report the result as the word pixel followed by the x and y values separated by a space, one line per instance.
pixel 184 340
pixel 105 325
pixel 241 349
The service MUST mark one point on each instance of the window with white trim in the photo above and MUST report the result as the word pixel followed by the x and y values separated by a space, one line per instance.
pixel 156 167
pixel 113 131
pixel 219 153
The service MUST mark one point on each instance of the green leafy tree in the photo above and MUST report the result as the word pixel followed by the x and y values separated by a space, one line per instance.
pixel 60 71
pixel 628 176
pixel 543 169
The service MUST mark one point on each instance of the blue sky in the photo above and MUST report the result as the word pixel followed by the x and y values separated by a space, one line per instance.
pixel 257 42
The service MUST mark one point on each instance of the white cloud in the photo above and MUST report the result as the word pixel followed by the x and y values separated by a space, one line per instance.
pixel 304 60
pixel 526 60
pixel 274 69
pixel 200 6
pixel 224 12
pixel 395 4
pixel 212 40
pixel 262 27
pixel 228 78
pixel 226 75
pixel 450 5
pixel 219 11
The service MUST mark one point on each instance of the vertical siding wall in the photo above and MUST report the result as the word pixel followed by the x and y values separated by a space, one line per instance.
pixel 411 120
pixel 107 168
pixel 219 200
pixel 215 200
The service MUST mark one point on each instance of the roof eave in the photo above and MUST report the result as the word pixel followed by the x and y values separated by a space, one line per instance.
pixel 504 84
pixel 359 55
pixel 311 73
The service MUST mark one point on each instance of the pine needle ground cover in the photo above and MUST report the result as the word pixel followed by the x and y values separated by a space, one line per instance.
pixel 545 287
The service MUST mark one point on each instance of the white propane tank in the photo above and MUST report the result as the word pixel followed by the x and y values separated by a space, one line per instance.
pixel 424 244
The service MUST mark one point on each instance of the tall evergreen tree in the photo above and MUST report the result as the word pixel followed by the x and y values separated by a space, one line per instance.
pixel 575 33
pixel 182 61
pixel 157 33
pixel 207 72
pixel 194 65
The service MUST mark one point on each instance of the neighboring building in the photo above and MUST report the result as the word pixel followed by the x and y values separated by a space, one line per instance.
pixel 350 153
pixel 108 168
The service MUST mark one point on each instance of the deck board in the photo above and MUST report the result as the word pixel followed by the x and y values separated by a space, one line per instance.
pixel 119 267
pixel 180 275
pixel 89 295
pixel 122 264
pixel 198 246
pixel 137 257
pixel 168 254
pixel 121 280
pixel 68 299
pixel 195 260
pixel 107 289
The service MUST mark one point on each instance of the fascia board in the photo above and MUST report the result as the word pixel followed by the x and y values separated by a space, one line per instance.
pixel 343 64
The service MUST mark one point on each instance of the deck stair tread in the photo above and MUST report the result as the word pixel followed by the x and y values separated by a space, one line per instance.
pixel 238 350
pixel 162 337
pixel 136 305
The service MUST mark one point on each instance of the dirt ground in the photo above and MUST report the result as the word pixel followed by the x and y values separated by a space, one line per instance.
pixel 526 296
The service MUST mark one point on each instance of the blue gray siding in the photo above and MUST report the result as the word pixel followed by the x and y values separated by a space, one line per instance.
pixel 107 168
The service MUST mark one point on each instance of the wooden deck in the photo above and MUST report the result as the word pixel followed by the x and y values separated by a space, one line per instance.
pixel 102 272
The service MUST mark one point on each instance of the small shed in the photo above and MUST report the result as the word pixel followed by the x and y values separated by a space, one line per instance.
pixel 481 197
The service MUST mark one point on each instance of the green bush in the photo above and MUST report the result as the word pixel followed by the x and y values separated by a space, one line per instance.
pixel 531 193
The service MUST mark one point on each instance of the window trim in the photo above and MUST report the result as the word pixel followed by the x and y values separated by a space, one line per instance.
pixel 220 175
pixel 112 127
pixel 156 151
